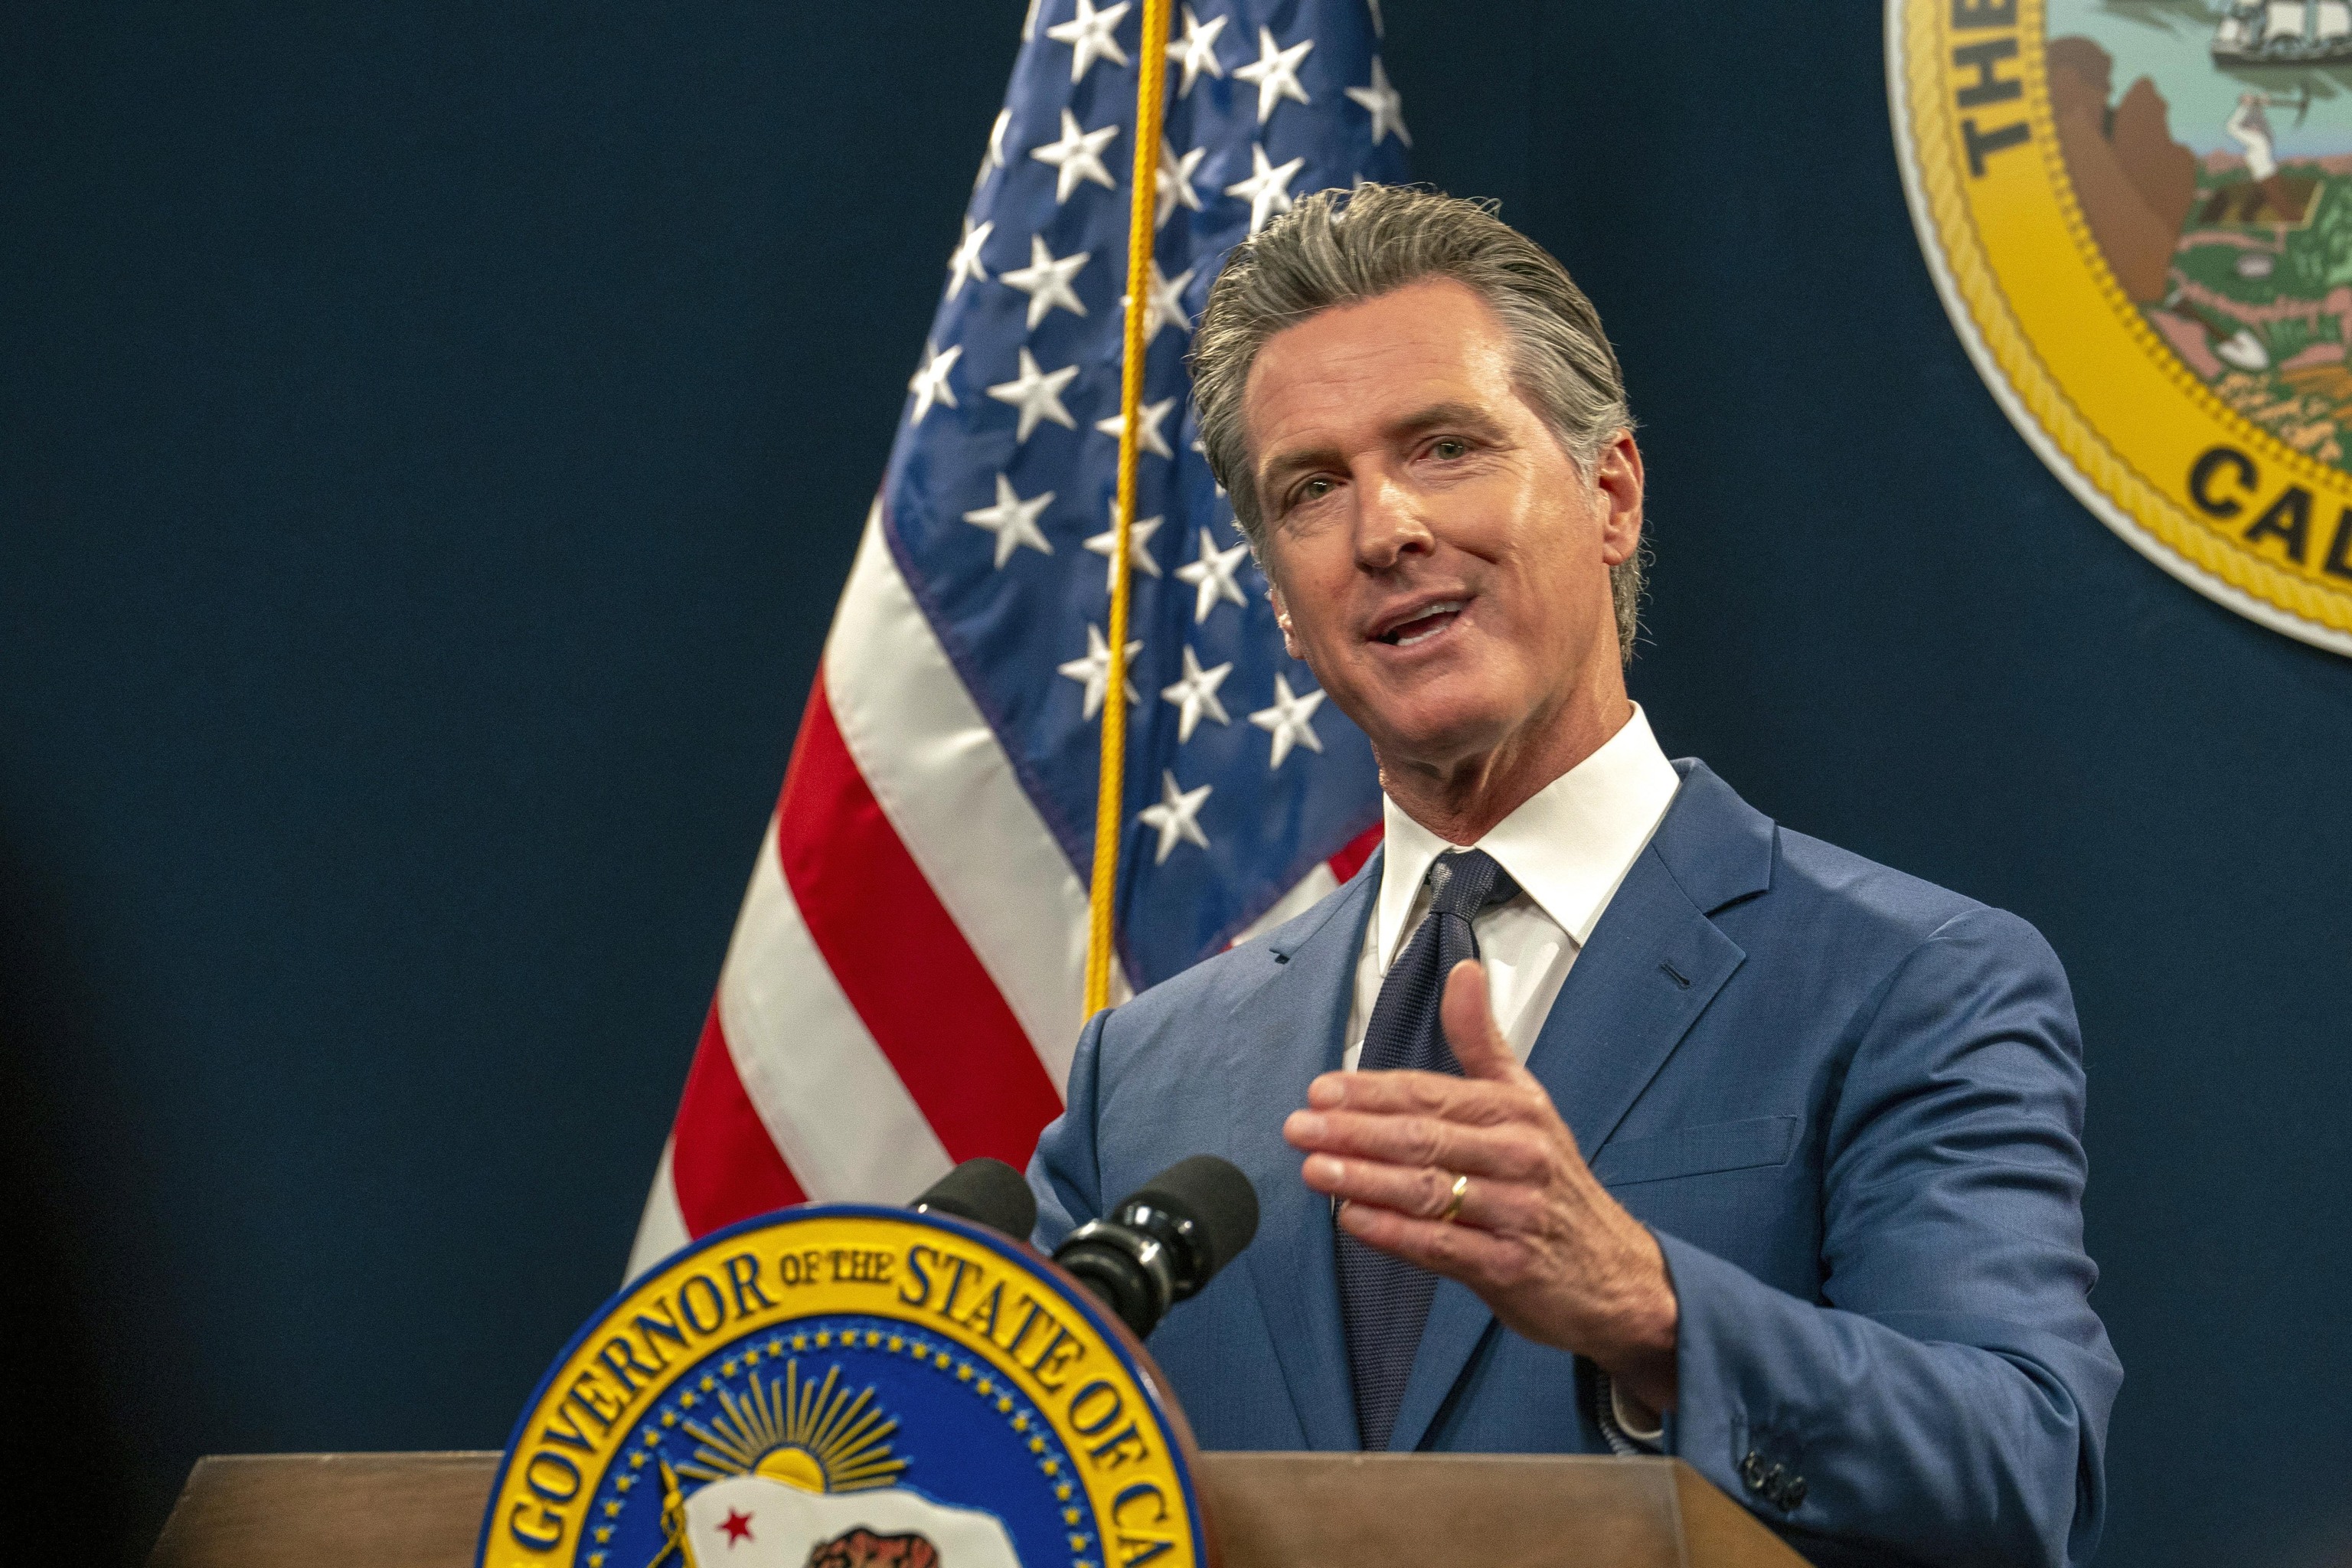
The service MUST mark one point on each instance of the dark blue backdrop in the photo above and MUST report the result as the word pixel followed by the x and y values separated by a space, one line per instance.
pixel 432 439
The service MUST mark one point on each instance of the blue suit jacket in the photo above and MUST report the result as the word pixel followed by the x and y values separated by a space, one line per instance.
pixel 1848 1103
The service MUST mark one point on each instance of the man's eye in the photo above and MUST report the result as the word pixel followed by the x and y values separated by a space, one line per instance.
pixel 1447 449
pixel 1314 490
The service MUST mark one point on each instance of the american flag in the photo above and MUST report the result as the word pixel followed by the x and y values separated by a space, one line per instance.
pixel 906 980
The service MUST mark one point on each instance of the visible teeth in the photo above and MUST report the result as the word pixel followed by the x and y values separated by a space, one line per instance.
pixel 1449 607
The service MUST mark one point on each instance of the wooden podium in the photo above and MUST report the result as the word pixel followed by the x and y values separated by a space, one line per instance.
pixel 1265 1510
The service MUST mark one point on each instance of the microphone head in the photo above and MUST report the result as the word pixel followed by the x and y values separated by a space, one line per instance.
pixel 991 1192
pixel 1216 1201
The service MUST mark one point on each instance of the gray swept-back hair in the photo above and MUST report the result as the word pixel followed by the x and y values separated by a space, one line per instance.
pixel 1338 247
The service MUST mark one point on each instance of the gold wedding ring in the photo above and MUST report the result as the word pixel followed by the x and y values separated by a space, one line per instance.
pixel 1454 1205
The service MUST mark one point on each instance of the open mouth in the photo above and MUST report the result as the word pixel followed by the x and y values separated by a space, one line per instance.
pixel 1423 624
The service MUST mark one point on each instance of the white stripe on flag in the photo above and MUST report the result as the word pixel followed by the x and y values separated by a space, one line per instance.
pixel 948 787
pixel 661 1230
pixel 824 1089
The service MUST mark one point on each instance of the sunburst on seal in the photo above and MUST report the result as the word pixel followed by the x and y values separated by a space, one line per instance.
pixel 819 1439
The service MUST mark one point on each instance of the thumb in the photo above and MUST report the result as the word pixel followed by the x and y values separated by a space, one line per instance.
pixel 1469 1022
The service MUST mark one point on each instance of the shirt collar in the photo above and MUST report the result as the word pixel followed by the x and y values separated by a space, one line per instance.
pixel 1568 846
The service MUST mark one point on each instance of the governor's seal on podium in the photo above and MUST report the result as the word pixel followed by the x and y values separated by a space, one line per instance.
pixel 842 1387
pixel 2140 220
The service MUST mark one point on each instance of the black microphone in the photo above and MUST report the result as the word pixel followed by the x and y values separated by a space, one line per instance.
pixel 1166 1241
pixel 985 1191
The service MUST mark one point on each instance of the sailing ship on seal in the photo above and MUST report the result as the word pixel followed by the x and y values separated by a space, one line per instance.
pixel 2284 33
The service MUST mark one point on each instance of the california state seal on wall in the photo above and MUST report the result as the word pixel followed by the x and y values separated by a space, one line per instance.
pixel 2140 219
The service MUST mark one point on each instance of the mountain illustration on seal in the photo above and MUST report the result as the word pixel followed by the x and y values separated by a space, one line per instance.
pixel 801 1476
pixel 2217 183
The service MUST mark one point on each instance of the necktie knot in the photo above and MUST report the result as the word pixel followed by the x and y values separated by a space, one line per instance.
pixel 1465 881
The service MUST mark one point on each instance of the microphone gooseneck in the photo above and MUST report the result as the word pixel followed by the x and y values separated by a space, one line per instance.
pixel 985 1191
pixel 1165 1241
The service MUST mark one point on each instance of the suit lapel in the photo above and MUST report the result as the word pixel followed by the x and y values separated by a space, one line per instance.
pixel 1286 1032
pixel 1654 962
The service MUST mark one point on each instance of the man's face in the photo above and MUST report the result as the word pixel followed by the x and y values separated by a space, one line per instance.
pixel 1435 557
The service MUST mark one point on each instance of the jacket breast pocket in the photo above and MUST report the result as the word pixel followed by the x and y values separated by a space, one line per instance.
pixel 1697 1151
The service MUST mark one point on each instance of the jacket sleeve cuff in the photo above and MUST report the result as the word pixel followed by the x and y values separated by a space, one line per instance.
pixel 1711 1429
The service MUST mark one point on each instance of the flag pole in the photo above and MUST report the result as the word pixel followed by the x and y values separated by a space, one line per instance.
pixel 1110 796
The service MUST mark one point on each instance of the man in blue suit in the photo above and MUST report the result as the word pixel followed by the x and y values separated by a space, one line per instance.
pixel 1598 1111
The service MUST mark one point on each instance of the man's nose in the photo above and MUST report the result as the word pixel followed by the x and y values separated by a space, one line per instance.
pixel 1389 524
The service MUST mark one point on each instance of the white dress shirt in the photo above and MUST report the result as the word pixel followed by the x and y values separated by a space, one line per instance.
pixel 1568 848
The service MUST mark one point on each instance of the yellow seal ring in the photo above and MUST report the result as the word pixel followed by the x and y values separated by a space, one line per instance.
pixel 832 1368
pixel 2193 464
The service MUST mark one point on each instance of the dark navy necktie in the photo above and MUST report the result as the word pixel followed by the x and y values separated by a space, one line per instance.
pixel 1383 1301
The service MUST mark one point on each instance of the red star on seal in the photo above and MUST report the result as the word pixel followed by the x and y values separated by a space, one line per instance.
pixel 738 1528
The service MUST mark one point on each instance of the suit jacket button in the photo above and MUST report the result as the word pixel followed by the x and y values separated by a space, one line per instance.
pixel 1751 1470
pixel 1792 1494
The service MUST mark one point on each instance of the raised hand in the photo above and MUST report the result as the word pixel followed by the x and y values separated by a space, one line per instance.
pixel 1478 1178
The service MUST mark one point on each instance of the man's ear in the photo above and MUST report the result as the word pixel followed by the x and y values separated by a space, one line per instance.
pixel 1617 482
pixel 1282 618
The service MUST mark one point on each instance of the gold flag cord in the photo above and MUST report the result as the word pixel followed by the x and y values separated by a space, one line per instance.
pixel 1110 797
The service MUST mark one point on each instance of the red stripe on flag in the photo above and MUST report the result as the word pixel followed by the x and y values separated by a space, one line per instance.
pixel 900 958
pixel 1350 859
pixel 723 1161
